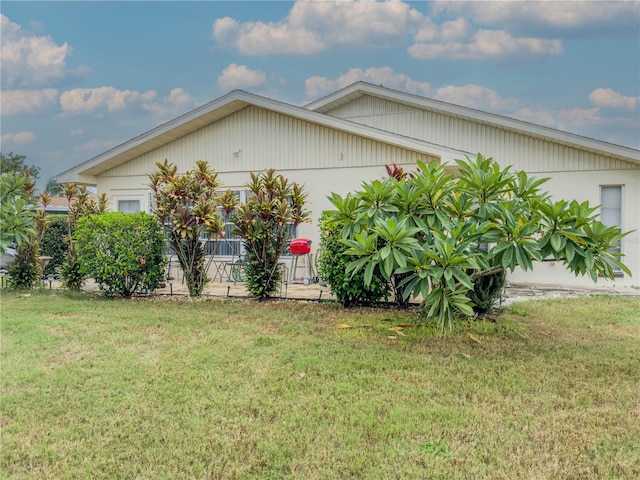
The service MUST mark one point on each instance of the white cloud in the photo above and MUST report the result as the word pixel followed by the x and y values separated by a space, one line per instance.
pixel 26 101
pixel 486 45
pixel 110 99
pixel 176 102
pixel 20 138
pixel 605 97
pixel 313 27
pixel 77 132
pixel 95 146
pixel 89 100
pixel 559 17
pixel 30 60
pixel 475 96
pixel 569 120
pixel 240 76
pixel 317 86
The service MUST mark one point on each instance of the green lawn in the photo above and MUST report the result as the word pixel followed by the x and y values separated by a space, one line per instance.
pixel 178 389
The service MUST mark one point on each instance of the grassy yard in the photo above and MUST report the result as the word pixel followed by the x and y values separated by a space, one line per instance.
pixel 177 389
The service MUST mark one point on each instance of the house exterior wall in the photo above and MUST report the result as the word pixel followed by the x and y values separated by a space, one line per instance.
pixel 507 147
pixel 254 139
pixel 585 186
pixel 325 160
pixel 574 173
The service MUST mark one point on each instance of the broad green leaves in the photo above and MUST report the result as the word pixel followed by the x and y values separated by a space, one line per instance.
pixel 17 210
pixel 431 235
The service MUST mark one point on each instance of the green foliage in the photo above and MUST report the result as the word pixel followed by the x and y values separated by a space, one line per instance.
pixel 332 268
pixel 122 252
pixel 80 204
pixel 71 273
pixel 54 243
pixel 13 162
pixel 186 205
pixel 17 209
pixel 24 272
pixel 450 240
pixel 262 224
pixel 487 290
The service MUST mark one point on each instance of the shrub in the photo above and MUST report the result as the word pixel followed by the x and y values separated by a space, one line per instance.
pixel 80 204
pixel 122 252
pixel 332 265
pixel 187 205
pixel 262 224
pixel 24 272
pixel 486 291
pixel 54 243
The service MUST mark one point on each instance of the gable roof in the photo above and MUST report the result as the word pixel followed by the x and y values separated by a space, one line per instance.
pixel 225 106
pixel 358 89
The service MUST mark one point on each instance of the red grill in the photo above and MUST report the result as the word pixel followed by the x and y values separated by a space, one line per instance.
pixel 300 246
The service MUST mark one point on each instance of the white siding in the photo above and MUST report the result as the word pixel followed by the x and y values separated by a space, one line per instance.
pixel 265 139
pixel 524 152
pixel 326 160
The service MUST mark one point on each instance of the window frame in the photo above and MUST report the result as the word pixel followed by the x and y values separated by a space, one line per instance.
pixel 618 211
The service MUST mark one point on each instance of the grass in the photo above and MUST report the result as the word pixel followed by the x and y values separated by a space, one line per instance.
pixel 234 389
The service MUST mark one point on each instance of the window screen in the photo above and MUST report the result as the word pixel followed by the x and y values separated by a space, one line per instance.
pixel 611 211
pixel 129 206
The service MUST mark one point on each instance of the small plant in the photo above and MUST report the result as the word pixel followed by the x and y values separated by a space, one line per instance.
pixel 24 272
pixel 262 224
pixel 349 290
pixel 54 243
pixel 122 252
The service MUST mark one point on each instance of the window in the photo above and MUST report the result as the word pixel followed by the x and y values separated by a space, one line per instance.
pixel 129 206
pixel 611 212
pixel 231 245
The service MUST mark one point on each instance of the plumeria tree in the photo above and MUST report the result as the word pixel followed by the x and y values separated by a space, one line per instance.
pixel 187 206
pixel 445 239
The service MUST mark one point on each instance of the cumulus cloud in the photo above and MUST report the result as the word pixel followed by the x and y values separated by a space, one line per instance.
pixel 475 96
pixel 313 27
pixel 110 99
pixel 317 86
pixel 30 60
pixel 176 102
pixel 605 97
pixel 557 18
pixel 27 101
pixel 485 45
pixel 20 138
pixel 240 76
pixel 570 120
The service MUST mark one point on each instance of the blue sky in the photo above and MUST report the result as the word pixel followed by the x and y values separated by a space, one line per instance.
pixel 81 77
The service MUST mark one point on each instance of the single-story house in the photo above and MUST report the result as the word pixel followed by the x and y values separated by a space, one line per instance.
pixel 347 137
